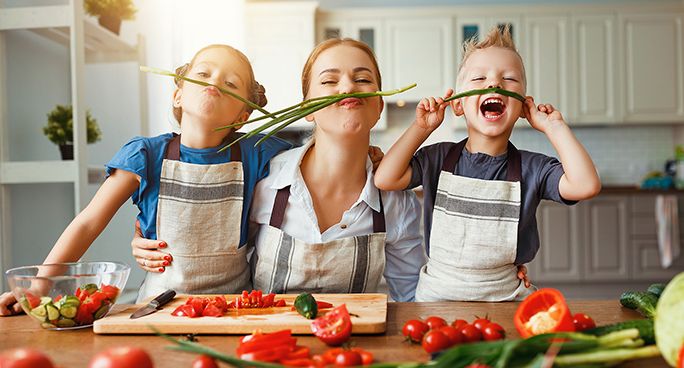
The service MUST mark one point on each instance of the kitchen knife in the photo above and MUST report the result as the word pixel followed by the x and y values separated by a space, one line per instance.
pixel 154 305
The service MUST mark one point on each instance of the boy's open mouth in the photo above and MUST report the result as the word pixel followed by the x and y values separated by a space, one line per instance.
pixel 492 108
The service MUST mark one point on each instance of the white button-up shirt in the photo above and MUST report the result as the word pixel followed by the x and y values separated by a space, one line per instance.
pixel 404 252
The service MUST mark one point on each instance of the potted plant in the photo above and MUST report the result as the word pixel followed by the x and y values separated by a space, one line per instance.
pixel 59 130
pixel 110 12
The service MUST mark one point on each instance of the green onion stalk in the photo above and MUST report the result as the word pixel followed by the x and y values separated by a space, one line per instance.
pixel 201 83
pixel 485 91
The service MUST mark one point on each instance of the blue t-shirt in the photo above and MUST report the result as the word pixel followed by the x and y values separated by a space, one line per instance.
pixel 144 156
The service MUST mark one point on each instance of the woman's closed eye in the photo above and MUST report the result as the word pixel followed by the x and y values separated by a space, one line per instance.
pixel 231 85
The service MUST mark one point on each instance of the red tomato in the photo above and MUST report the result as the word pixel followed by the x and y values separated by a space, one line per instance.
pixel 333 328
pixel 582 322
pixel 204 361
pixel 24 358
pixel 414 330
pixel 455 336
pixel 33 300
pixel 184 310
pixel 110 291
pixel 434 341
pixel 435 322
pixel 471 333
pixel 459 323
pixel 212 310
pixel 348 358
pixel 480 323
pixel 121 357
pixel 299 352
pixel 366 356
pixel 330 355
pixel 493 331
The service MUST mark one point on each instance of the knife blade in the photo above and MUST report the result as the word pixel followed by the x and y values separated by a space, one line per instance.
pixel 154 305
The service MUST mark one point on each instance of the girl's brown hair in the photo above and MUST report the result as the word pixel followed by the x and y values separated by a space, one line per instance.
pixel 256 92
pixel 306 72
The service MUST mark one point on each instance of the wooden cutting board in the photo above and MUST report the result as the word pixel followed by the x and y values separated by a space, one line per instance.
pixel 369 316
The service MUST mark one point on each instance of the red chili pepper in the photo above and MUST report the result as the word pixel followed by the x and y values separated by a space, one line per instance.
pixel 543 311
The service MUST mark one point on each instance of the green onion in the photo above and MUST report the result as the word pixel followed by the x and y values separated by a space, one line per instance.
pixel 234 95
pixel 474 92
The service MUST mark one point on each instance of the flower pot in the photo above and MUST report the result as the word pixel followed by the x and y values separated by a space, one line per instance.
pixel 111 22
pixel 67 151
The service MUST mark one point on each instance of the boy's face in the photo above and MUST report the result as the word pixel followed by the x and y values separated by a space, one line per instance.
pixel 491 114
pixel 221 67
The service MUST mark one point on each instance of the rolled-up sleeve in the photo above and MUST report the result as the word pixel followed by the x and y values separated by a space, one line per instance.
pixel 404 251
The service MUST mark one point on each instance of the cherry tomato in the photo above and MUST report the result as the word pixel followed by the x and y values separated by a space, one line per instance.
pixel 493 331
pixel 582 322
pixel 204 361
pixel 454 335
pixel 121 357
pixel 471 333
pixel 435 322
pixel 459 323
pixel 415 329
pixel 334 328
pixel 348 358
pixel 366 356
pixel 480 323
pixel 24 358
pixel 434 341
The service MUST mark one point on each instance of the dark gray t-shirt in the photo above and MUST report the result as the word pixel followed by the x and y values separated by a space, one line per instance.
pixel 540 177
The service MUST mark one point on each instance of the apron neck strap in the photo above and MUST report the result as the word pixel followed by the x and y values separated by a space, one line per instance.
pixel 513 173
pixel 280 204
pixel 173 149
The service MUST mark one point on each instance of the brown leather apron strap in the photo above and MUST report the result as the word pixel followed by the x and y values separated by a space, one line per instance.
pixel 453 156
pixel 379 217
pixel 514 170
pixel 173 149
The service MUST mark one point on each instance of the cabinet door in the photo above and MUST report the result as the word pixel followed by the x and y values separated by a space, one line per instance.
pixel 546 54
pixel 559 236
pixel 607 250
pixel 594 39
pixel 419 51
pixel 646 262
pixel 653 72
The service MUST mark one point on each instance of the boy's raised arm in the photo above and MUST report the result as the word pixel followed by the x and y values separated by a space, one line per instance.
pixel 395 171
pixel 580 180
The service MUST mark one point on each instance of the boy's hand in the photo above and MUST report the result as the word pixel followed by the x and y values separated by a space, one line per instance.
pixel 522 276
pixel 430 111
pixel 376 156
pixel 146 252
pixel 542 116
pixel 9 305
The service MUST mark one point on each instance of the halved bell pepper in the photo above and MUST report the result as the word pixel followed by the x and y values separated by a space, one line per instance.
pixel 543 311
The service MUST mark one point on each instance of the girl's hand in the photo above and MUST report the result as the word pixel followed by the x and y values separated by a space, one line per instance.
pixel 542 116
pixel 9 305
pixel 430 111
pixel 147 254
pixel 522 275
pixel 376 156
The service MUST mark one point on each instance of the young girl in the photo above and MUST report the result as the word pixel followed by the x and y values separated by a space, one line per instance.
pixel 188 193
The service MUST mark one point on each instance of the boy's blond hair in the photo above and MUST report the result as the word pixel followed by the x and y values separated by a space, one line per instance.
pixel 497 37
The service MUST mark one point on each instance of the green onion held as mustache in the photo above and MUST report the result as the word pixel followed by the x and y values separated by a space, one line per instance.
pixel 485 91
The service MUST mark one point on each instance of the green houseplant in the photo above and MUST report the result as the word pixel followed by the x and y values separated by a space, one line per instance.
pixel 59 129
pixel 110 13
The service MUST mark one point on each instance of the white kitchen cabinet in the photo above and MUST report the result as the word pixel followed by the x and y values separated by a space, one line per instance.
pixel 279 37
pixel 478 26
pixel 546 58
pixel 419 50
pixel 652 67
pixel 606 237
pixel 595 84
pixel 559 256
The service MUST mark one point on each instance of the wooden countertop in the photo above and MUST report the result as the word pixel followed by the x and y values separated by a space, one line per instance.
pixel 75 348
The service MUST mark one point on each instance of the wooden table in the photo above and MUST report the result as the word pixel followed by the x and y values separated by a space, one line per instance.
pixel 74 348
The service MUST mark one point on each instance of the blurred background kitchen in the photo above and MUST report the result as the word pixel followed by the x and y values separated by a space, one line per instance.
pixel 614 68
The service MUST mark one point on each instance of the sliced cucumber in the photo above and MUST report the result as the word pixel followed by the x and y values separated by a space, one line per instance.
pixel 45 300
pixel 101 311
pixel 47 325
pixel 66 322
pixel 72 300
pixel 68 310
pixel 39 313
pixel 52 312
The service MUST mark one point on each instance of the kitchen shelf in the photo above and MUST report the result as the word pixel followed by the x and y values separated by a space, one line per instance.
pixel 36 172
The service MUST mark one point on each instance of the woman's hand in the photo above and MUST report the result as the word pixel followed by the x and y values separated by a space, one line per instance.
pixel 522 275
pixel 9 305
pixel 147 254
pixel 376 156
pixel 430 111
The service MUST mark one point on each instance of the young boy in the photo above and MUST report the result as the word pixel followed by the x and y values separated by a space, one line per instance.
pixel 481 194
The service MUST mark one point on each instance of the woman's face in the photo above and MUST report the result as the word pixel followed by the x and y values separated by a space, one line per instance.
pixel 221 67
pixel 345 69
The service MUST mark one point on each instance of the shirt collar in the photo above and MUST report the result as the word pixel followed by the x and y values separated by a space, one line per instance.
pixel 291 174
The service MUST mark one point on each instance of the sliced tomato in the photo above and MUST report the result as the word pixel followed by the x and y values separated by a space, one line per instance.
pixel 84 316
pixel 185 310
pixel 34 300
pixel 212 310
pixel 268 300
pixel 280 303
pixel 333 328
pixel 543 311
pixel 110 291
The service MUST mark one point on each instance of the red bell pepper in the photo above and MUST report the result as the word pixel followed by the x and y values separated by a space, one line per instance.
pixel 541 312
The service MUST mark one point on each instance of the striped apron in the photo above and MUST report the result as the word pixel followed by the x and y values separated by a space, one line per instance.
pixel 284 264
pixel 474 236
pixel 199 212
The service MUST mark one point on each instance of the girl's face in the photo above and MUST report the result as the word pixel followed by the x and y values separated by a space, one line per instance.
pixel 345 69
pixel 221 67
pixel 491 114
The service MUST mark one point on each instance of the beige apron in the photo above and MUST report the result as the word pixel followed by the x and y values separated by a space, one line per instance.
pixel 198 215
pixel 474 236
pixel 284 264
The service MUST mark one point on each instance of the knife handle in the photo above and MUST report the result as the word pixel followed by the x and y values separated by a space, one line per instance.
pixel 165 297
